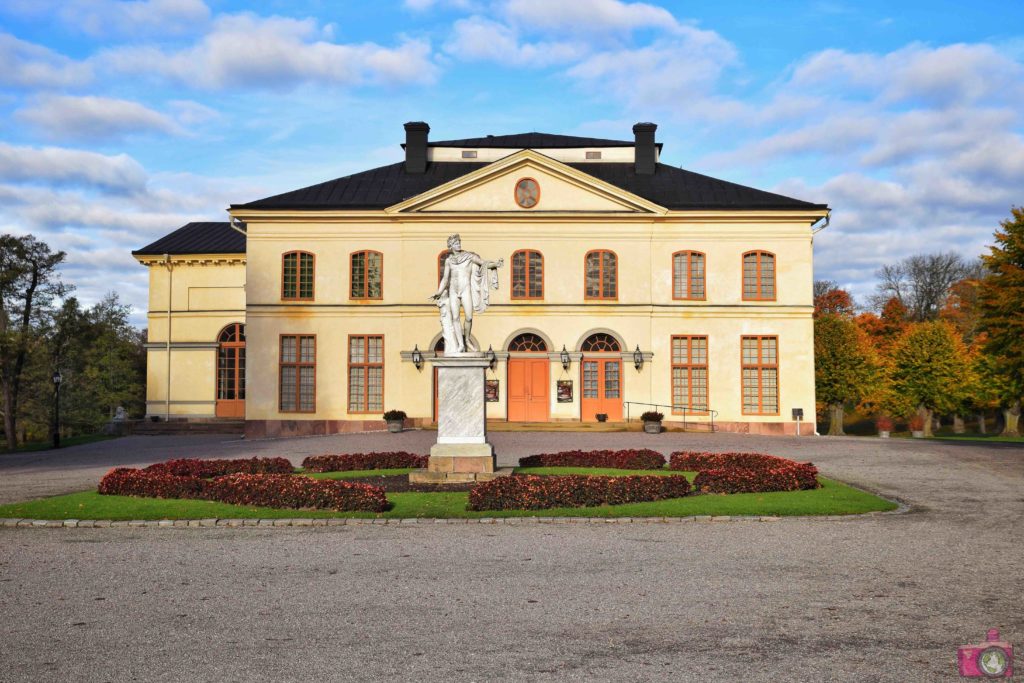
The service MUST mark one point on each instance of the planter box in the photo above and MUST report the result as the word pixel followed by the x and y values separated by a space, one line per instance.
pixel 395 425
pixel 917 435
pixel 883 434
pixel 652 427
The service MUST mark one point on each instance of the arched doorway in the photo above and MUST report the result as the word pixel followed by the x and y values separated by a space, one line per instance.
pixel 601 371
pixel 529 381
pixel 231 371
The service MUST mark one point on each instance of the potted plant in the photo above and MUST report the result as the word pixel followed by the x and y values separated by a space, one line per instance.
pixel 652 421
pixel 884 425
pixel 395 420
pixel 916 424
pixel 602 417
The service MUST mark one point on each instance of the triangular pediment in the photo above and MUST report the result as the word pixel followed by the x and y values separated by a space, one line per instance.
pixel 491 189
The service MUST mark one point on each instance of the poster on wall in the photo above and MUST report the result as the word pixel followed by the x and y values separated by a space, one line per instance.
pixel 491 390
pixel 565 391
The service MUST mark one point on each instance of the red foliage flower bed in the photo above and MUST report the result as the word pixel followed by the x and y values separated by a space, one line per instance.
pixel 745 472
pixel 287 491
pixel 629 459
pixel 525 492
pixel 364 461
pixel 268 490
pixel 191 467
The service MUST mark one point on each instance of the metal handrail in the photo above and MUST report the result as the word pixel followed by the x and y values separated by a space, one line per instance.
pixel 710 413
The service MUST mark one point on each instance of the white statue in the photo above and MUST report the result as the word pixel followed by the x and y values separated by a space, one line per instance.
pixel 466 282
pixel 120 414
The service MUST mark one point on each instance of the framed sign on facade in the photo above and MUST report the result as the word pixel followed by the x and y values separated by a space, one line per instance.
pixel 491 390
pixel 565 391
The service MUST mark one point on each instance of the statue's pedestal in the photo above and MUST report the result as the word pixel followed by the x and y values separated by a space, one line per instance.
pixel 462 453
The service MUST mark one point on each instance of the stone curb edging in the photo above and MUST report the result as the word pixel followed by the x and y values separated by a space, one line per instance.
pixel 334 522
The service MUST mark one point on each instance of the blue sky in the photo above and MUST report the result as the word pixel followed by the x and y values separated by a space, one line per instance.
pixel 120 121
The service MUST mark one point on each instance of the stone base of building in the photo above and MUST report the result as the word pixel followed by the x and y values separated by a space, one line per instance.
pixel 766 428
pixel 269 429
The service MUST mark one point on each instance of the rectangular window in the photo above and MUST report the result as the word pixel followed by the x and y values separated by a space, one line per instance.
pixel 688 275
pixel 690 374
pixel 527 275
pixel 760 375
pixel 469 154
pixel 297 374
pixel 366 373
pixel 593 155
pixel 297 276
pixel 759 276
pixel 601 275
pixel 367 275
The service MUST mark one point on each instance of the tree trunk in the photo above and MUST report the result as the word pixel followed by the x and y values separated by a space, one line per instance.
pixel 958 424
pixel 926 415
pixel 835 423
pixel 981 423
pixel 10 428
pixel 1011 420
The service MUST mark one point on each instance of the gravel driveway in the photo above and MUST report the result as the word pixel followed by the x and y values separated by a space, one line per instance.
pixel 885 598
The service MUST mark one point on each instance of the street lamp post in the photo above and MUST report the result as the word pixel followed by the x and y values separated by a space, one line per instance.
pixel 56 408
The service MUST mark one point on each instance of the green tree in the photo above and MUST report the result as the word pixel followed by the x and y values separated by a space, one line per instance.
pixel 28 285
pixel 844 365
pixel 1001 299
pixel 930 371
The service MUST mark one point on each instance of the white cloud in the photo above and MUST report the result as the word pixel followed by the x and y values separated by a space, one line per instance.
pixel 244 50
pixel 668 71
pixel 117 17
pixel 480 39
pixel 589 15
pixel 62 166
pixel 424 5
pixel 27 65
pixel 63 117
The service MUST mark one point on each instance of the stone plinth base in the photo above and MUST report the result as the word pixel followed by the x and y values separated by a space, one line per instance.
pixel 437 477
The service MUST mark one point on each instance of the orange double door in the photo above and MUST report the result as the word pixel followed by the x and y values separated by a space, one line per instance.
pixel 602 388
pixel 529 385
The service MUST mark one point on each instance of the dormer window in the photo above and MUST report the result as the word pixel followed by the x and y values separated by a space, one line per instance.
pixel 469 154
pixel 593 155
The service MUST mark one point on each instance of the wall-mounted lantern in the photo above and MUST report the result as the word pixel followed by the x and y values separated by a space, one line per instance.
pixel 492 358
pixel 417 357
pixel 565 358
pixel 638 358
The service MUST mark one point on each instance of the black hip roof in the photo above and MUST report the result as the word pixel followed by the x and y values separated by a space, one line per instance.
pixel 531 141
pixel 197 238
pixel 670 187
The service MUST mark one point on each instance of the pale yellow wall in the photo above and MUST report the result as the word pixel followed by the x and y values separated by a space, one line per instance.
pixel 207 293
pixel 644 314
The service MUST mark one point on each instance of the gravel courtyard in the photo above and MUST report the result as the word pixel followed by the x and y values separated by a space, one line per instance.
pixel 884 598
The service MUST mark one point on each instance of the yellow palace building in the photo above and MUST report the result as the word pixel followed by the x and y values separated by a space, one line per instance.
pixel 627 285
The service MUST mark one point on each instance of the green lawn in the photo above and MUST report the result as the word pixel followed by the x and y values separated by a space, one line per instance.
pixel 355 474
pixel 833 498
pixel 980 437
pixel 603 471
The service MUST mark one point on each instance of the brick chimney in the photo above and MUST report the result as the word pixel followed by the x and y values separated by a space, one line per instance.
pixel 644 149
pixel 416 147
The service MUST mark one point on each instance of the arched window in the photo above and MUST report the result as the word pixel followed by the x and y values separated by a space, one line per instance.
pixel 231 363
pixel 527 274
pixel 688 275
pixel 367 275
pixel 759 276
pixel 600 342
pixel 440 264
pixel 297 270
pixel 528 342
pixel 601 272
